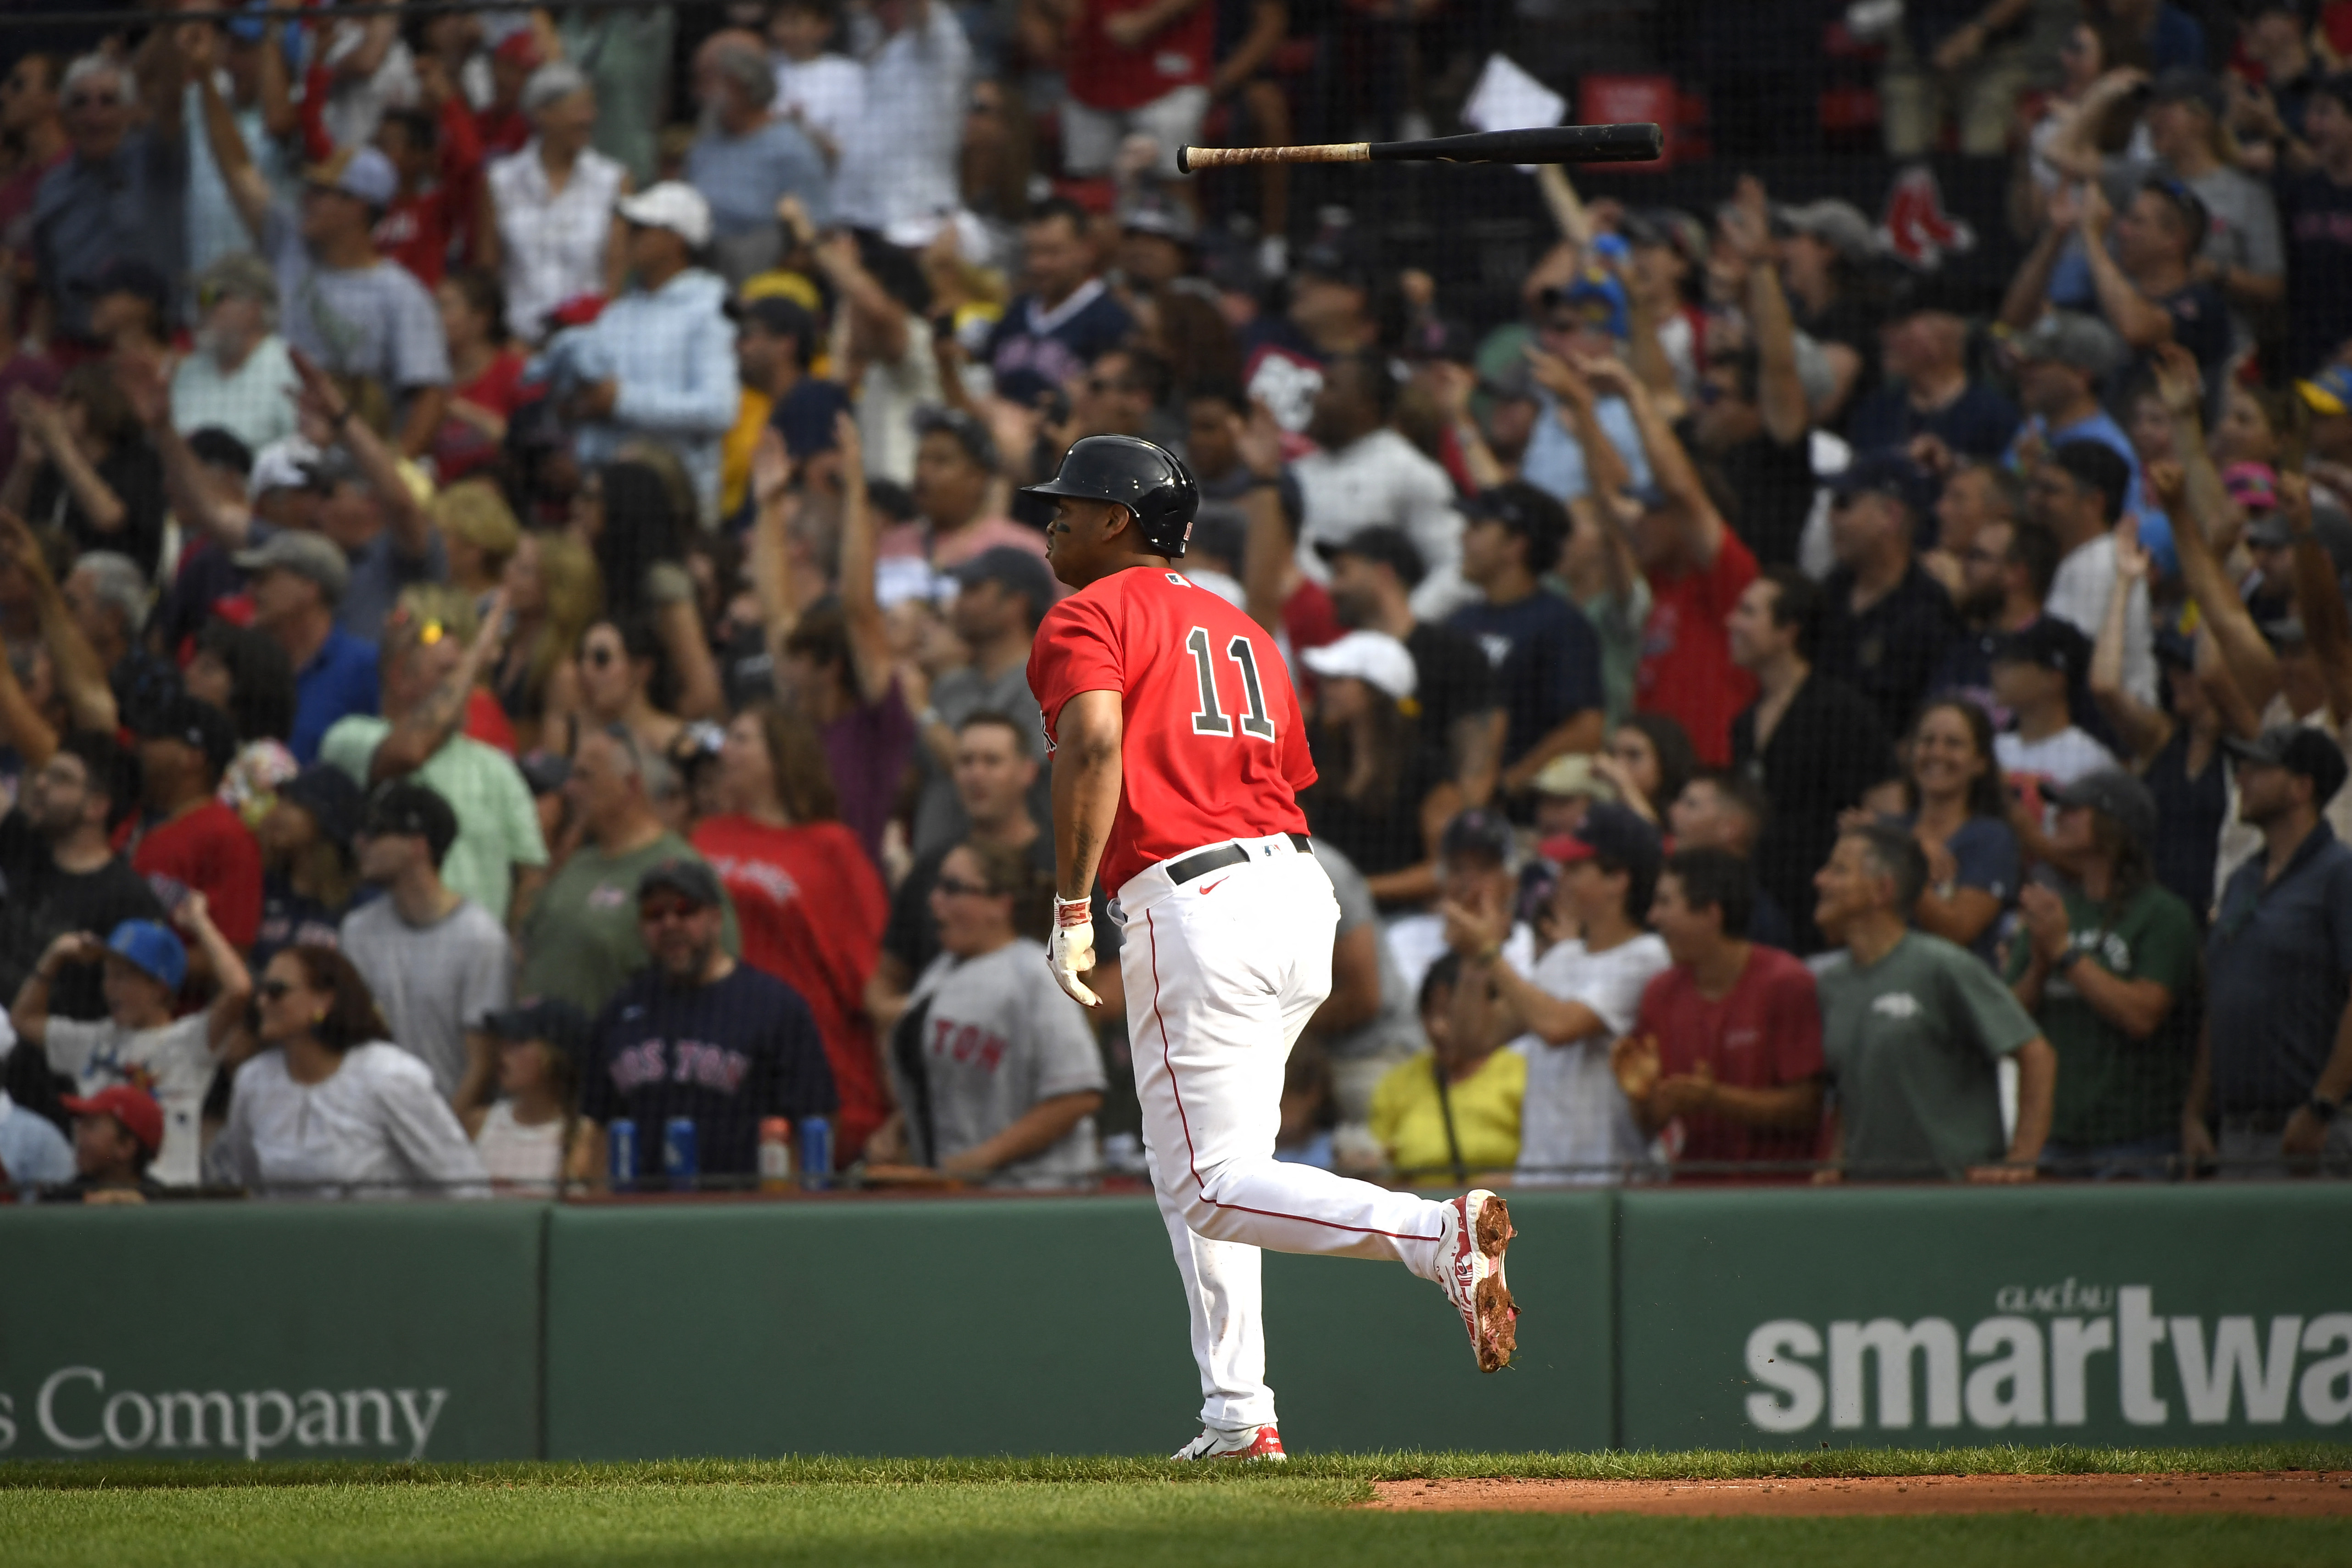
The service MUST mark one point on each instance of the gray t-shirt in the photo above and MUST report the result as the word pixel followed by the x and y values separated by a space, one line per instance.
pixel 1912 1044
pixel 374 322
pixel 1394 1025
pixel 997 1036
pixel 433 983
pixel 940 819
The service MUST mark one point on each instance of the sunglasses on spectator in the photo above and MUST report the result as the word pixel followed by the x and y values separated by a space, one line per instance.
pixel 602 655
pixel 667 910
pixel 954 888
pixel 275 990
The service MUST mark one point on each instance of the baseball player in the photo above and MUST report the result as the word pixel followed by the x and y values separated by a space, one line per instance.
pixel 1178 758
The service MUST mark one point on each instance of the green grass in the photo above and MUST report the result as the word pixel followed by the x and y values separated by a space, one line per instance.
pixel 997 1513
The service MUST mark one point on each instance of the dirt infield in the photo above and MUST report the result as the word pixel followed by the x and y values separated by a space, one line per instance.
pixel 2307 1494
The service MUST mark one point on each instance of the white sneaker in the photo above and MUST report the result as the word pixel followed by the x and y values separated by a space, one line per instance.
pixel 1256 1443
pixel 1470 1267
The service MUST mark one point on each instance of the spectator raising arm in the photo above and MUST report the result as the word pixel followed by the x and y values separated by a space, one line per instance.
pixel 2318 599
pixel 1700 525
pixel 1779 391
pixel 771 554
pixel 248 190
pixel 42 431
pixel 2142 727
pixel 2074 149
pixel 2181 387
pixel 2143 322
pixel 1267 550
pixel 2246 654
pixel 2029 287
pixel 870 634
pixel 1604 465
pixel 80 677
pixel 411 525
pixel 425 729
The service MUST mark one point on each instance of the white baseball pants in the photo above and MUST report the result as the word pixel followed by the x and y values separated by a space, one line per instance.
pixel 1222 972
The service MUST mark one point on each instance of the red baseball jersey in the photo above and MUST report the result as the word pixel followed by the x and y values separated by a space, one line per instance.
pixel 1213 747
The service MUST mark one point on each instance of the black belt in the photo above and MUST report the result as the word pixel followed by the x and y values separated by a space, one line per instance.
pixel 1224 855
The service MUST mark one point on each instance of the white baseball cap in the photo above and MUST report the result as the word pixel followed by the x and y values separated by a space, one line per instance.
pixel 1375 658
pixel 671 204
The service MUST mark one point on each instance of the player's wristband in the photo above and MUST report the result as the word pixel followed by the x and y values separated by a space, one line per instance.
pixel 1069 912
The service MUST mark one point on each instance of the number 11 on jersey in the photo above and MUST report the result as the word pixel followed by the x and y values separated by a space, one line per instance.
pixel 1210 719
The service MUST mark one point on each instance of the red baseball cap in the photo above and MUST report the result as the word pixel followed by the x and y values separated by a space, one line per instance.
pixel 134 1108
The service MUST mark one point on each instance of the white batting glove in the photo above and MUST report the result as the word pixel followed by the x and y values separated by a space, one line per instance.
pixel 1070 950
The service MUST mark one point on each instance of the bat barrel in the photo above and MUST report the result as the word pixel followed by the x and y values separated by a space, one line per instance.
pixel 1631 143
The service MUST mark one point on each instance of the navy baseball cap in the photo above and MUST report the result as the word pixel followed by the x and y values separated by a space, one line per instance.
pixel 2049 643
pixel 404 809
pixel 192 722
pixel 1611 832
pixel 1888 473
pixel 1390 546
pixel 327 794
pixel 2299 748
pixel 1016 570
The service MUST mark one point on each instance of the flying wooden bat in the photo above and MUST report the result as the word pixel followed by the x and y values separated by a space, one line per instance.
pixel 1557 144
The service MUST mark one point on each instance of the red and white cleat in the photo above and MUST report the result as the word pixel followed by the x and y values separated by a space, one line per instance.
pixel 1470 1264
pixel 1258 1443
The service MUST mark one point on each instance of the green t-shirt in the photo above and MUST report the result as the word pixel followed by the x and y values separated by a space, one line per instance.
pixel 1913 1044
pixel 580 940
pixel 2113 1088
pixel 497 827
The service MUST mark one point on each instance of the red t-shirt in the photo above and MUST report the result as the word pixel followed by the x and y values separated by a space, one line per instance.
pixel 1213 747
pixel 812 909
pixel 211 851
pixel 1687 671
pixel 414 232
pixel 459 448
pixel 1765 1032
pixel 1104 76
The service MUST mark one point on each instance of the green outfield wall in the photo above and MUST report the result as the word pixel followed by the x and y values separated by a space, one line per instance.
pixel 1653 1318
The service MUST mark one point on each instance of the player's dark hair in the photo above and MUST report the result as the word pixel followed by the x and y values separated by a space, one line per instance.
pixel 1715 879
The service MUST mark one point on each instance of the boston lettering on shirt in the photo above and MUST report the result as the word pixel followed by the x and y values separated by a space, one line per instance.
pixel 1213 747
pixel 726 1054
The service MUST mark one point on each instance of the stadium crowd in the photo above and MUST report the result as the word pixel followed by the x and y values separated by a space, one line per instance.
pixel 516 604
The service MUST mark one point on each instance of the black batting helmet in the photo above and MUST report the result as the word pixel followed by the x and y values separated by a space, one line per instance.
pixel 1145 479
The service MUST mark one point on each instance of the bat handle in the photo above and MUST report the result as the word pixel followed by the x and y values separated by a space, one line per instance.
pixel 1191 159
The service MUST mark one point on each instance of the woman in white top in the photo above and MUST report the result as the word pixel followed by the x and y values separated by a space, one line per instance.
pixel 328 1107
pixel 550 228
pixel 997 1072
pixel 525 1134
